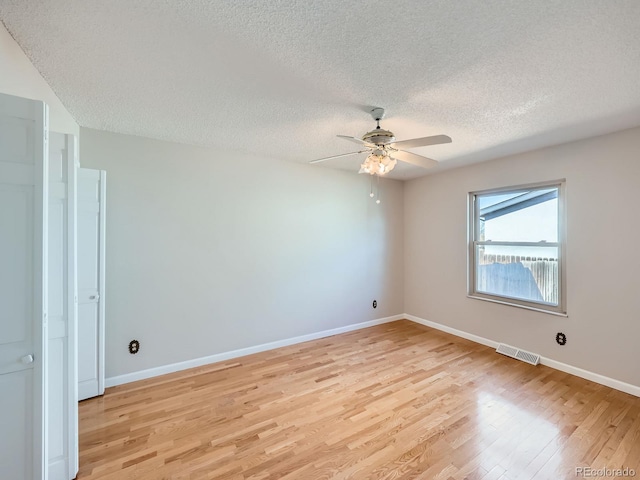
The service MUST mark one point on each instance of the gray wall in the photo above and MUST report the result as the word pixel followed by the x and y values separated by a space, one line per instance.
pixel 603 266
pixel 209 251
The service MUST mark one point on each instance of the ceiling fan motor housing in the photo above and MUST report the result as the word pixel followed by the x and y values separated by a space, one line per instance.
pixel 379 137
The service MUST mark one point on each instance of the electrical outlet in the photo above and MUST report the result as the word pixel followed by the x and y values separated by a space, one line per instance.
pixel 134 347
pixel 375 304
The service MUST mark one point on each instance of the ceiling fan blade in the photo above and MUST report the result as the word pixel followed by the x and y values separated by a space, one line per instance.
pixel 422 142
pixel 356 140
pixel 414 159
pixel 337 156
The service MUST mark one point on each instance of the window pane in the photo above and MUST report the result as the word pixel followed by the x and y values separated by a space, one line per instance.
pixel 525 216
pixel 525 273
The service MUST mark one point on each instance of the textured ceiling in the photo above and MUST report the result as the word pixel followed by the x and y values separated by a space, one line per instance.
pixel 282 78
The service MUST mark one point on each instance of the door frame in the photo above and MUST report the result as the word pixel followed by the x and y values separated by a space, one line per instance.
pixel 41 248
pixel 63 377
pixel 73 163
pixel 102 257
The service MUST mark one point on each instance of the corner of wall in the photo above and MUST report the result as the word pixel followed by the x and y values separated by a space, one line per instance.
pixel 21 78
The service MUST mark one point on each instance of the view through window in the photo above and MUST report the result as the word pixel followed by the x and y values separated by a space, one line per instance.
pixel 516 246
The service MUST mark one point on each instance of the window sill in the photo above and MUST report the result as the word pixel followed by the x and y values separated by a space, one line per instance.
pixel 511 304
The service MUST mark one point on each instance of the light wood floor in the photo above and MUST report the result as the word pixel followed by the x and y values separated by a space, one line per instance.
pixel 393 401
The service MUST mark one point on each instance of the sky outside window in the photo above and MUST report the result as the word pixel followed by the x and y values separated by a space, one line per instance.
pixel 534 223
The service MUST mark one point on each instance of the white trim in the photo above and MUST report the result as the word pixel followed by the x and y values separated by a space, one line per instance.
pixel 41 284
pixel 563 367
pixel 241 352
pixel 478 296
pixel 72 306
pixel 452 331
pixel 594 377
pixel 102 281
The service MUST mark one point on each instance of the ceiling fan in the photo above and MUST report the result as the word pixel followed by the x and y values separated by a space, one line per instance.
pixel 384 151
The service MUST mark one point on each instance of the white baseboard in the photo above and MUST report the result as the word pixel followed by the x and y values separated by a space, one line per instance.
pixel 221 357
pixel 563 367
pixel 452 331
pixel 594 377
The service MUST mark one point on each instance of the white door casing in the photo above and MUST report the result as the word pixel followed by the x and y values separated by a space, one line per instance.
pixel 91 198
pixel 23 288
pixel 61 308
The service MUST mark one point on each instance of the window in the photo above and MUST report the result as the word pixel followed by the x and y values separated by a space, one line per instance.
pixel 516 246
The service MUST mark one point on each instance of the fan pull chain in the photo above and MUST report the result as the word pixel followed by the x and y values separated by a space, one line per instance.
pixel 371 186
pixel 378 189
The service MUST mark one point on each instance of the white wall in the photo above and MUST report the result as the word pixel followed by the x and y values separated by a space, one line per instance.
pixel 603 266
pixel 209 252
pixel 19 77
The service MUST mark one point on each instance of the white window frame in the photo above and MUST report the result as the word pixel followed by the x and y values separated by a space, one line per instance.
pixel 473 242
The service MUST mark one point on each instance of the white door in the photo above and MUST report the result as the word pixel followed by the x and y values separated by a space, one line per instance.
pixel 91 255
pixel 61 309
pixel 23 288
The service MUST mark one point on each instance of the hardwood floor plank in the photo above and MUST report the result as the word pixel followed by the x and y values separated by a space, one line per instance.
pixel 395 401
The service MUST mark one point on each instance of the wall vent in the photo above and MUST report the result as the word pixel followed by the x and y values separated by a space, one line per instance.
pixel 514 352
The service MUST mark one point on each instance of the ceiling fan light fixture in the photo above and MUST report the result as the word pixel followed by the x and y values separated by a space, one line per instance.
pixel 378 163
